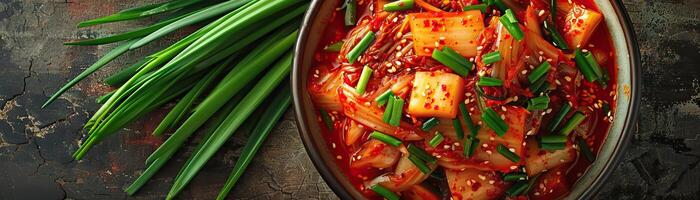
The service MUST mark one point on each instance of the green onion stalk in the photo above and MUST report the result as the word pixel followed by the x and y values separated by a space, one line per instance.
pixel 208 75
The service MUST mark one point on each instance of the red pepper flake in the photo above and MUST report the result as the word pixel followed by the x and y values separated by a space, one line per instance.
pixel 436 107
pixel 443 87
pixel 476 186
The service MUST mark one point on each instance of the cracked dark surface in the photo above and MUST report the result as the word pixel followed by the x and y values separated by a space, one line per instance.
pixel 36 144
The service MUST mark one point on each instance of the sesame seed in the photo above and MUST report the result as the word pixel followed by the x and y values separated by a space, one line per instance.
pixel 339 157
pixel 541 13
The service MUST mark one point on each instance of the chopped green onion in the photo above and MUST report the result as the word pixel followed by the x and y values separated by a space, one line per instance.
pixel 420 153
pixel 531 183
pixel 517 189
pixel 384 97
pixel 586 150
pixel 360 47
pixel 539 87
pixel 470 145
pixel 593 63
pixel 481 7
pixel 350 13
pixel 335 47
pixel 430 123
pixel 510 16
pixel 538 103
pixel 605 108
pixel 515 176
pixel 388 139
pixel 573 122
pixel 398 5
pixel 494 121
pixel 513 28
pixel 437 139
pixel 458 128
pixel 503 150
pixel 488 81
pixel 499 4
pixel 556 37
pixel 451 59
pixel 387 111
pixel 386 193
pixel 468 119
pixel 364 79
pixel 539 72
pixel 552 146
pixel 457 57
pixel 326 119
pixel 491 57
pixel 553 139
pixel 553 9
pixel 583 65
pixel 397 111
pixel 419 163
pixel 560 116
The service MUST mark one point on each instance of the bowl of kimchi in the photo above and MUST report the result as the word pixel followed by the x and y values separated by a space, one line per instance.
pixel 466 99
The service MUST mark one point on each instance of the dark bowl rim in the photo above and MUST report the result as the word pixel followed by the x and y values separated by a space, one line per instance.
pixel 617 153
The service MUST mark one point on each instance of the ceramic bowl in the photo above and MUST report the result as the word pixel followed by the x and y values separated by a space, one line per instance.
pixel 628 91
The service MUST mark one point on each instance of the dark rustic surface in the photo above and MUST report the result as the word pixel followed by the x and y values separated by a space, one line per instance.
pixel 35 144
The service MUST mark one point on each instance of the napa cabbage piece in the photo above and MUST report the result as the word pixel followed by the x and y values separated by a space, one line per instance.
pixel 485 156
pixel 435 94
pixel 457 30
pixel 367 113
pixel 353 131
pixel 474 184
pixel 377 154
pixel 324 91
pixel 405 175
pixel 579 26
pixel 496 38
pixel 537 160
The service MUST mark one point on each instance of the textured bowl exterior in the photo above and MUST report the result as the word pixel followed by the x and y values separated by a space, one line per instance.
pixel 628 92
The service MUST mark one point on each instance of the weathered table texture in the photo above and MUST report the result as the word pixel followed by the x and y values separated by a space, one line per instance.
pixel 36 144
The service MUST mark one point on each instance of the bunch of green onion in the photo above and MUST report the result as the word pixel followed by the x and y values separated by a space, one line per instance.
pixel 209 74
